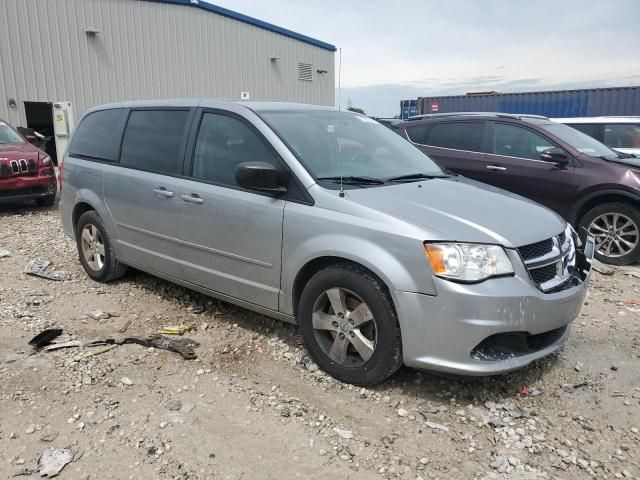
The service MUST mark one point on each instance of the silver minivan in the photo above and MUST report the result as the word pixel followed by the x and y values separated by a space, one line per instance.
pixel 329 220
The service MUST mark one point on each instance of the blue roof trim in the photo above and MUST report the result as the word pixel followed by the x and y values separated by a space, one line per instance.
pixel 250 20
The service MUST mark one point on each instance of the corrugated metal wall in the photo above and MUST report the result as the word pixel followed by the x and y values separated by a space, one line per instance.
pixel 146 50
pixel 565 103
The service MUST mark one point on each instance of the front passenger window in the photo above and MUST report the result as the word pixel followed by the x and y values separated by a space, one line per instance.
pixel 223 143
pixel 514 141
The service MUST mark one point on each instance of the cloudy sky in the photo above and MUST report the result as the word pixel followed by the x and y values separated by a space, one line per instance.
pixel 393 50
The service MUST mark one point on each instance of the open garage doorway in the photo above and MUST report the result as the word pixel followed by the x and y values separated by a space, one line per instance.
pixel 40 119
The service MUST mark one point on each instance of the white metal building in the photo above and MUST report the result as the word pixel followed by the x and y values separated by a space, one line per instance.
pixel 88 52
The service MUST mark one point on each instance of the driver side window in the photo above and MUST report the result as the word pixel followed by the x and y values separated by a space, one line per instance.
pixel 223 143
pixel 514 141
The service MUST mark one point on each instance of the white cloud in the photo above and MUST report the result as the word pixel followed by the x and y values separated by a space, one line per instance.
pixel 418 47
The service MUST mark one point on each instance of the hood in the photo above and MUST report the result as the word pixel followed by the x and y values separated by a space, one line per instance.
pixel 628 161
pixel 16 151
pixel 464 210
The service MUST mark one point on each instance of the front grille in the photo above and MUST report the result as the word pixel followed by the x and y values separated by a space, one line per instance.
pixel 537 249
pixel 550 262
pixel 502 346
pixel 13 168
pixel 543 274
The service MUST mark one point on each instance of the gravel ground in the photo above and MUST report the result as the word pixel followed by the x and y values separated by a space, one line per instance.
pixel 253 406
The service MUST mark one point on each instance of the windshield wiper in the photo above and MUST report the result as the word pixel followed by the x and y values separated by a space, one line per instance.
pixel 353 180
pixel 415 176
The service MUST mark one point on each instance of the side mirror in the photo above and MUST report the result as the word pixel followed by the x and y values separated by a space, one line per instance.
pixel 260 176
pixel 555 155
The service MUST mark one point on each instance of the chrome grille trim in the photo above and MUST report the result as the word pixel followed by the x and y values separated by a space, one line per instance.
pixel 562 255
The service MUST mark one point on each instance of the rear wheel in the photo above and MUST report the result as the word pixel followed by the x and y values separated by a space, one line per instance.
pixel 349 325
pixel 615 227
pixel 95 250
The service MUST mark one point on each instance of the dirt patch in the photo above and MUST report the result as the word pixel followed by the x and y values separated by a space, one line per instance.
pixel 253 405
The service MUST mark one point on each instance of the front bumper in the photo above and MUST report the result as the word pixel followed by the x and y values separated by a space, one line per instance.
pixel 28 188
pixel 449 331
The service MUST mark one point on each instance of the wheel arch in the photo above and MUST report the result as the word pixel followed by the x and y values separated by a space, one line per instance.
pixel 320 263
pixel 600 197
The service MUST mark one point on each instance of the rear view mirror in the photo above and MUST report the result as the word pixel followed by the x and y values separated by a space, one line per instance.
pixel 555 155
pixel 260 176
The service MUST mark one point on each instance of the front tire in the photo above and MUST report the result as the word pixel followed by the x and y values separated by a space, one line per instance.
pixel 95 249
pixel 616 229
pixel 349 325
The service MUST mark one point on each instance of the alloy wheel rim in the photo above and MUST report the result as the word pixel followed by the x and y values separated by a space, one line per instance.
pixel 344 327
pixel 616 235
pixel 92 247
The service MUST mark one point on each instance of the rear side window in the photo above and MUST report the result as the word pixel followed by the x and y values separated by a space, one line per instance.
pixel 223 143
pixel 153 140
pixel 460 136
pixel 587 128
pixel 622 135
pixel 98 135
pixel 416 133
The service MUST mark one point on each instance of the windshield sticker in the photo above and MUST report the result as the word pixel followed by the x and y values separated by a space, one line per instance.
pixel 331 128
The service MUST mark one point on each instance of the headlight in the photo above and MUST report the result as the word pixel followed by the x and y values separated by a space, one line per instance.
pixel 467 262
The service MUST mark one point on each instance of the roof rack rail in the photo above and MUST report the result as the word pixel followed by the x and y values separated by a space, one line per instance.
pixel 476 114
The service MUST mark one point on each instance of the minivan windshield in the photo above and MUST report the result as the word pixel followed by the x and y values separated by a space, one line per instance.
pixel 333 145
pixel 8 135
pixel 580 141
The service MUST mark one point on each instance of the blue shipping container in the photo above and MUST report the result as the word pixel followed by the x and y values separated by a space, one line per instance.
pixel 590 102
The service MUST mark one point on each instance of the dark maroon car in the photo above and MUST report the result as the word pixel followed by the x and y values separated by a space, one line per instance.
pixel 26 172
pixel 591 186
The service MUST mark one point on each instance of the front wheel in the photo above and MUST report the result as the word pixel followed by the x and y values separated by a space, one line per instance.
pixel 349 325
pixel 615 227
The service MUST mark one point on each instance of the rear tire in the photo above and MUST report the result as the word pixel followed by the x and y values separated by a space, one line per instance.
pixel 616 228
pixel 349 325
pixel 95 249
pixel 46 201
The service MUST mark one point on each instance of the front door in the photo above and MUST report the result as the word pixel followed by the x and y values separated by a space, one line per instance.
pixel 231 238
pixel 514 163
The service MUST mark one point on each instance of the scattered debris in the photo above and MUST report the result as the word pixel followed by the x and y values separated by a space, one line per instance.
pixel 173 405
pixel 523 390
pixel 125 326
pixel 602 269
pixel 53 460
pixel 4 253
pixel 45 337
pixel 347 434
pixel 183 346
pixel 90 353
pixel 496 422
pixel 38 268
pixel 437 426
pixel 58 346
pixel 126 381
pixel 177 330
pixel 100 315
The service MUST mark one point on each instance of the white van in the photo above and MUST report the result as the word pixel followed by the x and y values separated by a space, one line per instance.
pixel 619 133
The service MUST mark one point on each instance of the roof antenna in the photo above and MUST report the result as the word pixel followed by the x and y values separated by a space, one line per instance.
pixel 340 109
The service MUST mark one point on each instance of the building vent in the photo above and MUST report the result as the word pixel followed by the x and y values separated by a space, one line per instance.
pixel 305 72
